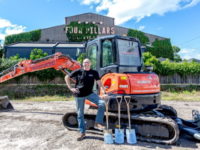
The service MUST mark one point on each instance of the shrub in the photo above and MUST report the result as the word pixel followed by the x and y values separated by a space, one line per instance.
pixel 37 53
pixel 169 68
pixel 81 57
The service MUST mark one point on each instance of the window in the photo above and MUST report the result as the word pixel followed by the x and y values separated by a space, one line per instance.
pixel 128 53
pixel 107 53
pixel 92 55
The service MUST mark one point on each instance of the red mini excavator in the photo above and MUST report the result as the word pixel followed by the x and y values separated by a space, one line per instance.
pixel 119 62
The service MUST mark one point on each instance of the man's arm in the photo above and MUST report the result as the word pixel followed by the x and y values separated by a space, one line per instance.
pixel 101 86
pixel 104 96
pixel 67 80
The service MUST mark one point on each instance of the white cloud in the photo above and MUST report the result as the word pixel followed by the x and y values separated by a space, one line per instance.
pixel 124 10
pixel 88 2
pixel 14 30
pixel 7 28
pixel 4 23
pixel 141 28
pixel 2 36
pixel 187 53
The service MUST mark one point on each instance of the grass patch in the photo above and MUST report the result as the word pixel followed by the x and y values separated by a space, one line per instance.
pixel 168 96
pixel 47 98
pixel 181 96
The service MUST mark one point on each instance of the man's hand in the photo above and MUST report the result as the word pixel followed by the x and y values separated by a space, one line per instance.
pixel 74 90
pixel 104 96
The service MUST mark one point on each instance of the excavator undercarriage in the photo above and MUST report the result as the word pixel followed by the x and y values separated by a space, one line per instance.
pixel 149 128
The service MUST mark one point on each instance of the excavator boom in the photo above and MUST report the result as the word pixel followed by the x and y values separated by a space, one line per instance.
pixel 57 61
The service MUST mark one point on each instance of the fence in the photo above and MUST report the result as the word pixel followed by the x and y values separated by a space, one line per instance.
pixel 177 79
pixel 172 79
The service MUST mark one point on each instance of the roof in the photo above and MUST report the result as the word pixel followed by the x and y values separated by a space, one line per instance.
pixel 81 45
pixel 31 45
pixel 89 13
pixel 193 59
pixel 70 45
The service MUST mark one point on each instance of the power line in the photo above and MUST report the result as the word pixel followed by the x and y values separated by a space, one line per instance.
pixel 197 37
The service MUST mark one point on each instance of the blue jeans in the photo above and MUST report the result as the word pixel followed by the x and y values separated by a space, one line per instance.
pixel 80 103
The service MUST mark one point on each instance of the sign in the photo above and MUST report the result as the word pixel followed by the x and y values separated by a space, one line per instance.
pixel 90 30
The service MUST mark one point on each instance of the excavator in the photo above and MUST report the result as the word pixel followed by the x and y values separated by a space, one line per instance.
pixel 118 59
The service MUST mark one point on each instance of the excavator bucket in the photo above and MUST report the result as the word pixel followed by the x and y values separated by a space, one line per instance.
pixel 5 103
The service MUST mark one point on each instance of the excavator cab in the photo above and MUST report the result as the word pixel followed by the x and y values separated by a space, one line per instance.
pixel 119 62
pixel 115 54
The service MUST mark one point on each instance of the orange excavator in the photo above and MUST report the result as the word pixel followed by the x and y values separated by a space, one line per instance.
pixel 119 62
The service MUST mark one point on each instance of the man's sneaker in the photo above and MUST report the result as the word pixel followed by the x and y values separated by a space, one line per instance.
pixel 82 136
pixel 99 126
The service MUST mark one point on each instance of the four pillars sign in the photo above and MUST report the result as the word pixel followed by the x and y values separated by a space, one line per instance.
pixel 83 31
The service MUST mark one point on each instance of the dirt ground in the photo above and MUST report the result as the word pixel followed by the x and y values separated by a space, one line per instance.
pixel 38 126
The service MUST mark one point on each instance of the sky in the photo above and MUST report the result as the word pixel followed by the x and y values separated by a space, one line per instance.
pixel 178 20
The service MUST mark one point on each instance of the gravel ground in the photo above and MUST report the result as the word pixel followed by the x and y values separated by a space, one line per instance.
pixel 38 126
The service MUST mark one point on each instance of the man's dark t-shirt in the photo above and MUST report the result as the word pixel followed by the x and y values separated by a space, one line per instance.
pixel 84 81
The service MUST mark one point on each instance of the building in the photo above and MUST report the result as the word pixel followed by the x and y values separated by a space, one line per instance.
pixel 194 60
pixel 24 49
pixel 55 38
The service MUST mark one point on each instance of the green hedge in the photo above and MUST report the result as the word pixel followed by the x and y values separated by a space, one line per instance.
pixel 23 37
pixel 169 68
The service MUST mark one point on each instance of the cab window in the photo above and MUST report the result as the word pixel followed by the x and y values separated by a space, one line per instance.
pixel 107 53
pixel 92 55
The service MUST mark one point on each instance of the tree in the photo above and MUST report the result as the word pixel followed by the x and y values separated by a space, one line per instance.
pixel 1 52
pixel 37 53
pixel 176 49
pixel 81 57
pixel 162 48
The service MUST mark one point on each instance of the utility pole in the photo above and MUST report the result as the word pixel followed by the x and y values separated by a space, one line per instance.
pixel 0 45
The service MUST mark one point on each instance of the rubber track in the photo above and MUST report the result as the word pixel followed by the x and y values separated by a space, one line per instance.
pixel 153 120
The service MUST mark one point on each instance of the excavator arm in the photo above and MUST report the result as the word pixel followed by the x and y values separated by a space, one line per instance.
pixel 57 61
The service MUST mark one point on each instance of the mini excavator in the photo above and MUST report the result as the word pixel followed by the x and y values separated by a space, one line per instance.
pixel 118 60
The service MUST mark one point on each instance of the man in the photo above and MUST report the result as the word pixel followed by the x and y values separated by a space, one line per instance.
pixel 85 78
